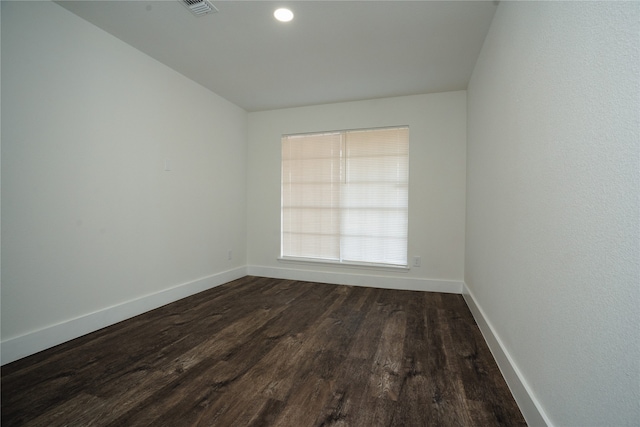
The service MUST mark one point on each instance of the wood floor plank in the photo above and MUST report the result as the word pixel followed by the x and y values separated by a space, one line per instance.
pixel 269 352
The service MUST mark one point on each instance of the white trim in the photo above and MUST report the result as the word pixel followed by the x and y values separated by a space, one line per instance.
pixel 335 131
pixel 346 264
pixel 369 280
pixel 529 406
pixel 25 345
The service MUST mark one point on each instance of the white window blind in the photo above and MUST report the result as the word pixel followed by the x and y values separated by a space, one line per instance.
pixel 345 196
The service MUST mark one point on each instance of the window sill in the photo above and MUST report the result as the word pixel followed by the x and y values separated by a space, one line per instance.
pixel 359 265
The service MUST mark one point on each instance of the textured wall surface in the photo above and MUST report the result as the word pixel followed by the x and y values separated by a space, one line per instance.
pixel 552 244
pixel 90 218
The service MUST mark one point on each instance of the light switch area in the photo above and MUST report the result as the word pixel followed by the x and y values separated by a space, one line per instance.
pixel 167 165
pixel 416 261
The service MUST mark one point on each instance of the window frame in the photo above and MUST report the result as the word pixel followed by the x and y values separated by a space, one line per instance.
pixel 341 236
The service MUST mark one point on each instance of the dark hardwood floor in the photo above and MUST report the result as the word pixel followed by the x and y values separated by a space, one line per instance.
pixel 268 352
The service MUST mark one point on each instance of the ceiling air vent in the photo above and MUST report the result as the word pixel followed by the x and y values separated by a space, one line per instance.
pixel 199 7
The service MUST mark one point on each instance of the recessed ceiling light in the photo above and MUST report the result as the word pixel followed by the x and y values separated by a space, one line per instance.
pixel 283 15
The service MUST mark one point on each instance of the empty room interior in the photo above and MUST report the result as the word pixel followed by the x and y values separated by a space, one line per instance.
pixel 146 205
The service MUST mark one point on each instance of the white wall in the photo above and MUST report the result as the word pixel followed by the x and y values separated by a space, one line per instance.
pixel 436 197
pixel 552 245
pixel 90 219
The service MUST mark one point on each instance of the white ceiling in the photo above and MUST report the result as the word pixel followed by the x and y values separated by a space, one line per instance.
pixel 332 51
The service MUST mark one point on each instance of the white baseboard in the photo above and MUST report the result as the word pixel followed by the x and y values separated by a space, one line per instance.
pixel 522 393
pixel 374 281
pixel 16 348
pixel 33 342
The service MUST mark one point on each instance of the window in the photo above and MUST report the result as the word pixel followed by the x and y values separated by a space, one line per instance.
pixel 345 196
